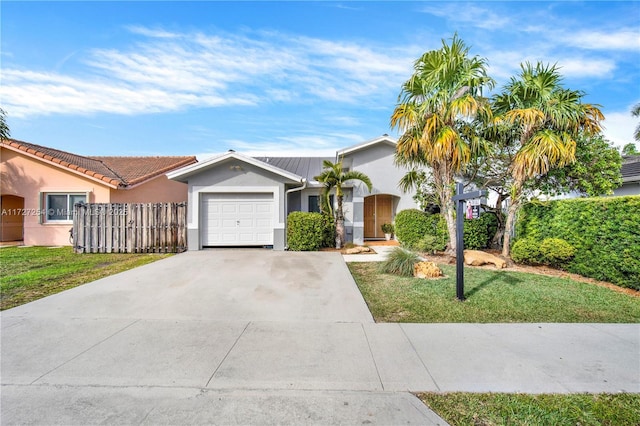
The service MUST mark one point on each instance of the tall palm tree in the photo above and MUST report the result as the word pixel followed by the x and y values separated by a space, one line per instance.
pixel 635 111
pixel 545 118
pixel 333 177
pixel 435 110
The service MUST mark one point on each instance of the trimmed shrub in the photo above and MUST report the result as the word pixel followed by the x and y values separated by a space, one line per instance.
pixel 605 232
pixel 430 244
pixel 305 231
pixel 412 225
pixel 400 262
pixel 556 251
pixel 526 250
pixel 478 232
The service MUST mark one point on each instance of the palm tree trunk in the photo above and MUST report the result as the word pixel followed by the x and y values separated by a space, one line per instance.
pixel 447 209
pixel 496 241
pixel 511 218
pixel 339 224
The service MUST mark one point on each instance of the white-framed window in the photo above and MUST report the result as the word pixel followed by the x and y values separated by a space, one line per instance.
pixel 59 205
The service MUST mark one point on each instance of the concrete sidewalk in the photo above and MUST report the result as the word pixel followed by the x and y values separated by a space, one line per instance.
pixel 193 371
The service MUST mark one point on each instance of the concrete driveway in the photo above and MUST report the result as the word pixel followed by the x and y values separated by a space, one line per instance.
pixel 226 285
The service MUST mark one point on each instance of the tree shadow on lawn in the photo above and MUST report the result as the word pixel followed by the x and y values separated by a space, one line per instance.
pixel 500 276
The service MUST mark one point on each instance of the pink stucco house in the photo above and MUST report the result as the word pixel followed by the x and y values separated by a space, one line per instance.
pixel 40 185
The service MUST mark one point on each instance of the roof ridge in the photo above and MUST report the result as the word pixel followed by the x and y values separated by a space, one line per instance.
pixel 49 148
pixel 112 171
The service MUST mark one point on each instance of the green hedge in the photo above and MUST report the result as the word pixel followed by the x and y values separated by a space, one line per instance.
pixel 478 232
pixel 605 233
pixel 412 225
pixel 305 231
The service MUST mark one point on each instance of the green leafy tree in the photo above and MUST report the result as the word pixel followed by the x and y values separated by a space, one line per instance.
pixel 544 118
pixel 4 129
pixel 333 177
pixel 596 170
pixel 630 148
pixel 434 113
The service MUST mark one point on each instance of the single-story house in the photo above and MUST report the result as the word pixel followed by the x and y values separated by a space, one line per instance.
pixel 238 200
pixel 40 185
pixel 630 172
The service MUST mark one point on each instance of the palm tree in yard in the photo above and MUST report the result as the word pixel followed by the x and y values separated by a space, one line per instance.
pixel 635 111
pixel 333 177
pixel 435 112
pixel 545 118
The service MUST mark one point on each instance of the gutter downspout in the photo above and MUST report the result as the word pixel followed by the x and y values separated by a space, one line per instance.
pixel 286 202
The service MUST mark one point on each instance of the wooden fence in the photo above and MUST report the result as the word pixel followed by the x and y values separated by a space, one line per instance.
pixel 130 228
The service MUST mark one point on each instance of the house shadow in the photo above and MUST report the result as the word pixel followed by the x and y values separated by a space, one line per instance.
pixel 506 277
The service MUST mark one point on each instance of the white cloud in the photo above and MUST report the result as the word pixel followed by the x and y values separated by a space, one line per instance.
pixel 585 67
pixel 619 127
pixel 469 14
pixel 619 39
pixel 168 71
pixel 317 145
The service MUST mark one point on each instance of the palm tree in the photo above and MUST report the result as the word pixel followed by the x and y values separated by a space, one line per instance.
pixel 434 113
pixel 635 111
pixel 4 129
pixel 545 118
pixel 334 177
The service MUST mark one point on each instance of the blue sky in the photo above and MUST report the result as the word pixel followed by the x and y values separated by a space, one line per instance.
pixel 280 78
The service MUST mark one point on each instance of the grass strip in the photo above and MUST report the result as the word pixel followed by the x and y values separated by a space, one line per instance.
pixel 492 296
pixel 31 273
pixel 489 409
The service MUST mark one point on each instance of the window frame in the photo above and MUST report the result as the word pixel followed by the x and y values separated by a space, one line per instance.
pixel 69 208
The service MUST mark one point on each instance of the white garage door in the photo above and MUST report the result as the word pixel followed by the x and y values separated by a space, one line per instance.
pixel 237 219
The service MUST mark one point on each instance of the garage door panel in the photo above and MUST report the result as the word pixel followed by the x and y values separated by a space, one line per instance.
pixel 262 223
pixel 237 219
pixel 264 208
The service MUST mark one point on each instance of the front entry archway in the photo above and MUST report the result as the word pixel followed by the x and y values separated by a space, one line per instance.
pixel 378 209
pixel 12 222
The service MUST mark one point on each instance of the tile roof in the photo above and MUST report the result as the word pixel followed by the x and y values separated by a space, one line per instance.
pixel 121 172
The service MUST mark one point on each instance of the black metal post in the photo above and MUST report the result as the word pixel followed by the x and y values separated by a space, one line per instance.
pixel 460 242
pixel 459 199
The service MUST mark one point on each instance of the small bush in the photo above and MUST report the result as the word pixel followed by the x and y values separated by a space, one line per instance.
pixel 479 232
pixel 400 262
pixel 305 231
pixel 329 230
pixel 430 244
pixel 555 251
pixel 411 225
pixel 387 228
pixel 526 250
pixel 475 234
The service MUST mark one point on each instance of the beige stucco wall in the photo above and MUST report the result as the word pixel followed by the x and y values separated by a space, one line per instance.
pixel 27 177
pixel 158 190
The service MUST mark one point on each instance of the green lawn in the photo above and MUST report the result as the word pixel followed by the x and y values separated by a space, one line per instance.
pixel 519 409
pixel 30 273
pixel 492 296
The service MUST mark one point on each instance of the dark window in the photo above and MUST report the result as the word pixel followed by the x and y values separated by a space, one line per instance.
pixel 314 203
pixel 60 206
